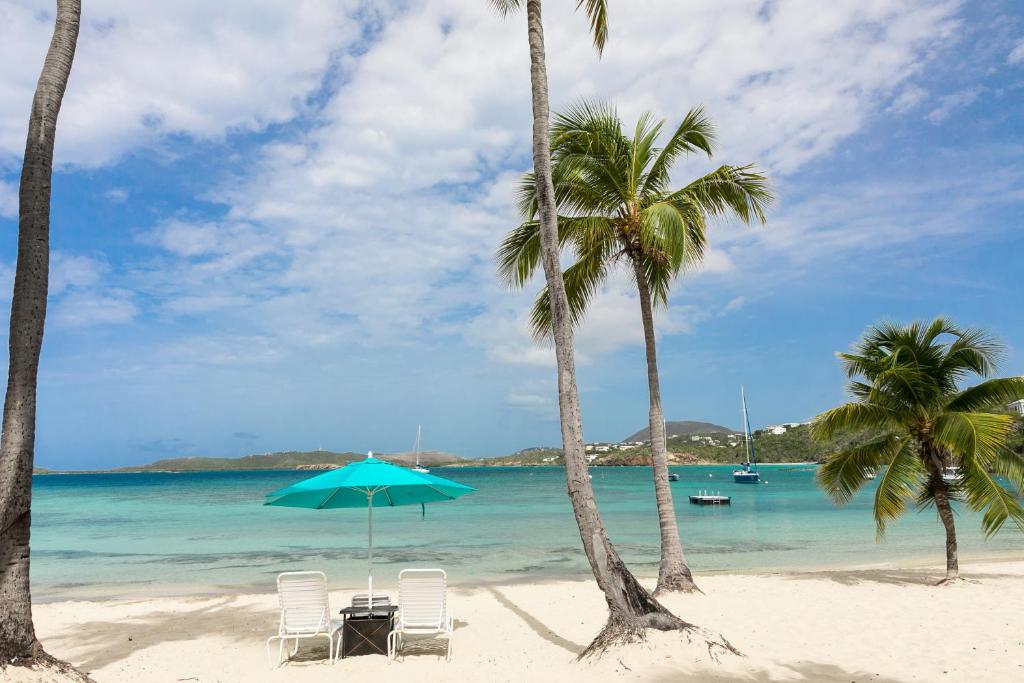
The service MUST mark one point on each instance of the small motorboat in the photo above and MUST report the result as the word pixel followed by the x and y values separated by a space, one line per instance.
pixel 672 476
pixel 952 474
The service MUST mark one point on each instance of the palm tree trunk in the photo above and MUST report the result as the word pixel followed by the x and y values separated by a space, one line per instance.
pixel 940 491
pixel 28 312
pixel 673 572
pixel 631 609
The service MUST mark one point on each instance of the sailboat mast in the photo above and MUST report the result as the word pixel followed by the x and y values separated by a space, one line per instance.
pixel 746 423
pixel 417 446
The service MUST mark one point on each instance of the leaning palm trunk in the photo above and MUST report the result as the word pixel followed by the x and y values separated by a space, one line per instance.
pixel 28 312
pixel 631 608
pixel 940 491
pixel 673 572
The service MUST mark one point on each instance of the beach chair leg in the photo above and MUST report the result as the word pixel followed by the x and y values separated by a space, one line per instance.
pixel 269 663
pixel 295 650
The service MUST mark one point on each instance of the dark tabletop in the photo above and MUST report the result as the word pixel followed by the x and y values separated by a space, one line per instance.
pixel 378 610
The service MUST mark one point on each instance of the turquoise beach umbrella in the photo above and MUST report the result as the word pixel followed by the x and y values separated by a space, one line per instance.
pixel 367 483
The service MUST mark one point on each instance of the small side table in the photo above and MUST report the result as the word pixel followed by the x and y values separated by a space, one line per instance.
pixel 364 632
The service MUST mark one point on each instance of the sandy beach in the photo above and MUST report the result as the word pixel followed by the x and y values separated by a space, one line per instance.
pixel 878 624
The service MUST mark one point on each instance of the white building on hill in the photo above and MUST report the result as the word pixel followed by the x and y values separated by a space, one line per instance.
pixel 1017 407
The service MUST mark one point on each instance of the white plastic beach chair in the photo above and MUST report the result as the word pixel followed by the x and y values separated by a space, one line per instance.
pixel 305 612
pixel 422 609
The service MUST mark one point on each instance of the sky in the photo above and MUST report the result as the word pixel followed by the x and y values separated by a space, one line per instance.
pixel 274 222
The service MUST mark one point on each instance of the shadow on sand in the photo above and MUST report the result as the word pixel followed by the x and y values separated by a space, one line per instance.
pixel 101 643
pixel 535 624
pixel 808 672
pixel 892 577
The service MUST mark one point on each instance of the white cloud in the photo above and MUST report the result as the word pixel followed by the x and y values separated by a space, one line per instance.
pixel 1016 55
pixel 87 309
pixel 908 98
pixel 191 67
pixel 117 195
pixel 950 103
pixel 377 222
pixel 68 271
pixel 387 213
pixel 735 304
pixel 527 400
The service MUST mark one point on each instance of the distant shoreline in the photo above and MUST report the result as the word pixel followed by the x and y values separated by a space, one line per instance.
pixel 453 466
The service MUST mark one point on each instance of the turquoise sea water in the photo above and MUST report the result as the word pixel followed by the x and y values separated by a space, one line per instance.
pixel 139 534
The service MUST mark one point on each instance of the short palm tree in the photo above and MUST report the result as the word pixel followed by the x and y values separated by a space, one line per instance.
pixel 616 205
pixel 909 403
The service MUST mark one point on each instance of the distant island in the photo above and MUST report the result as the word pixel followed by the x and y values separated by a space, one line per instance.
pixel 689 443
pixel 283 460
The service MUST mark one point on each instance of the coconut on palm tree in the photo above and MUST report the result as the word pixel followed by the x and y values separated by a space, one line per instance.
pixel 919 420
pixel 617 206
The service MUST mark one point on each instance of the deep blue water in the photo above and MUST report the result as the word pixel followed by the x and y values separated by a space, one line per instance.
pixel 129 534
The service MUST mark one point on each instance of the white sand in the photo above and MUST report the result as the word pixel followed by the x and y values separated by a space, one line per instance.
pixel 865 625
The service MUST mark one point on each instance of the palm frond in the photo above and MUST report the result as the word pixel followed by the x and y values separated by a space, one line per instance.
pixel 582 280
pixel 990 394
pixel 695 133
pixel 518 255
pixel 843 473
pixel 983 492
pixel 972 351
pixel 852 417
pixel 739 190
pixel 597 13
pixel 974 438
pixel 506 7
pixel 897 485
pixel 1011 465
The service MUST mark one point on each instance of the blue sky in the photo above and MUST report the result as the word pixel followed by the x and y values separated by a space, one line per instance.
pixel 273 223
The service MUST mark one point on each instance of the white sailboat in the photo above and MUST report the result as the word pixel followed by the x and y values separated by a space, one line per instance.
pixel 747 472
pixel 417 467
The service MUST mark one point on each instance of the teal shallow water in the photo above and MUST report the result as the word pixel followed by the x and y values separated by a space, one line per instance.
pixel 139 534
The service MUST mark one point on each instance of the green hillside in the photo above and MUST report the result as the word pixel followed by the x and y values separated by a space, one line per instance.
pixel 285 460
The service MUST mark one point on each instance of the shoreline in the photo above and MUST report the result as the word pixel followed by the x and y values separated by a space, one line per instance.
pixel 102 593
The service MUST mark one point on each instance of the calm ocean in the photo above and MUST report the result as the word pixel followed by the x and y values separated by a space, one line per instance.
pixel 142 534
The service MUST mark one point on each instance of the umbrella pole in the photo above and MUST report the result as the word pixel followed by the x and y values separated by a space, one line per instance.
pixel 369 507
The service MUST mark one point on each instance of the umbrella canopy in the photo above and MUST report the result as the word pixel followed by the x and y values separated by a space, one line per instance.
pixel 367 483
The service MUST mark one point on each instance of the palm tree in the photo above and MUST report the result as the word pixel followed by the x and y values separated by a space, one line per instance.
pixel 906 382
pixel 631 609
pixel 28 312
pixel 617 207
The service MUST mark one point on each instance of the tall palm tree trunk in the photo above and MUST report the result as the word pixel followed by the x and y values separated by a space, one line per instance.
pixel 673 572
pixel 631 608
pixel 28 312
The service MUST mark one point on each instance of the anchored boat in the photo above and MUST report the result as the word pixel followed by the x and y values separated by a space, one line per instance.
pixel 747 472
pixel 417 467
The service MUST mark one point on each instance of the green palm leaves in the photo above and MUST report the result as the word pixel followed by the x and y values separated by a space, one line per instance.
pixel 615 203
pixel 596 11
pixel 906 382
